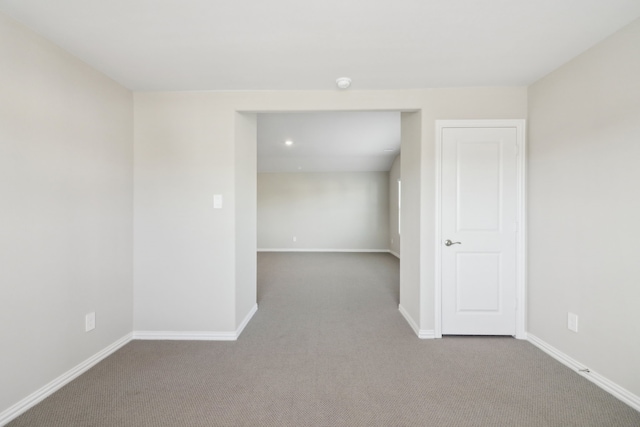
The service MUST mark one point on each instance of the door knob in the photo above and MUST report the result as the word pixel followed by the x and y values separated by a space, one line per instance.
pixel 449 243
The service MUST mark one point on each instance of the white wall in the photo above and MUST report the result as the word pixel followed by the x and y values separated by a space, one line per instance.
pixel 184 251
pixel 336 210
pixel 584 149
pixel 66 189
pixel 394 177
pixel 184 265
pixel 184 153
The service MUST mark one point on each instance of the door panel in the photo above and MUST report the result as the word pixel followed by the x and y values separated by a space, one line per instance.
pixel 477 282
pixel 478 204
pixel 479 207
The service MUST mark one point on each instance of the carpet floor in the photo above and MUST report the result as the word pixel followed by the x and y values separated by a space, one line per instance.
pixel 328 347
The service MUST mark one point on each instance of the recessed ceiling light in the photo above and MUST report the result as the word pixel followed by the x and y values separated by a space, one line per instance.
pixel 343 82
pixel 288 142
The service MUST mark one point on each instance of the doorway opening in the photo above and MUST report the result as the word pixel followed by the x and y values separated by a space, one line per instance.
pixel 411 279
pixel 326 184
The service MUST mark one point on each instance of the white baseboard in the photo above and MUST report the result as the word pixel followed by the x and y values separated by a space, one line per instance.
pixel 246 320
pixel 421 333
pixel 320 250
pixel 395 254
pixel 39 395
pixel 606 384
pixel 427 334
pixel 185 335
pixel 196 335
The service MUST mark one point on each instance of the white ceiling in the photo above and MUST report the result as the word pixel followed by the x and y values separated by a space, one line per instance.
pixel 328 141
pixel 293 44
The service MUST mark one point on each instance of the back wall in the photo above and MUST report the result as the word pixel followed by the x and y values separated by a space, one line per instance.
pixel 329 211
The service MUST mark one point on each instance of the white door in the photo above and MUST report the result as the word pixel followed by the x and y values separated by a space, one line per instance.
pixel 478 218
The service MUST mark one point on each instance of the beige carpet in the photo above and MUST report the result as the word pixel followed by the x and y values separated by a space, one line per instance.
pixel 328 347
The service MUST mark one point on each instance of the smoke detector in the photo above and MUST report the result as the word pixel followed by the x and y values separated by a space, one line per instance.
pixel 343 82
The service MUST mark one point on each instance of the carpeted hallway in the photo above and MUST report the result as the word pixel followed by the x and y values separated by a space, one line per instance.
pixel 328 347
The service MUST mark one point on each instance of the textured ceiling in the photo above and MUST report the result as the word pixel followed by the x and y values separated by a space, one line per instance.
pixel 293 44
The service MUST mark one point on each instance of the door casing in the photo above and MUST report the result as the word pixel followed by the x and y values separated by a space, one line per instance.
pixel 521 275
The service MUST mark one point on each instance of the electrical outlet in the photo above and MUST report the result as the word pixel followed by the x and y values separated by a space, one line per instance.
pixel 572 322
pixel 295 239
pixel 90 322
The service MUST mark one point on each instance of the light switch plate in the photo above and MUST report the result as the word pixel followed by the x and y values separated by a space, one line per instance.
pixel 572 322
pixel 90 322
pixel 217 201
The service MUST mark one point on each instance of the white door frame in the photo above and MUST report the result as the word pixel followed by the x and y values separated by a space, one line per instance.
pixel 521 264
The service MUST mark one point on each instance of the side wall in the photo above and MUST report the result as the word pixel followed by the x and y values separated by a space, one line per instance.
pixel 584 148
pixel 328 211
pixel 414 222
pixel 66 197
pixel 394 177
pixel 245 206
